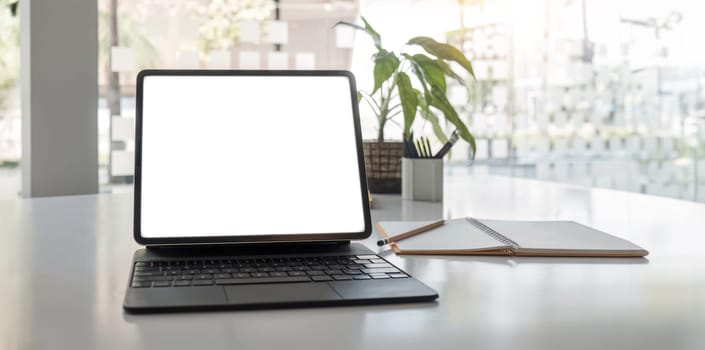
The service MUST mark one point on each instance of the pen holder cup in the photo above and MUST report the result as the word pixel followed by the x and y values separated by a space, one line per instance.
pixel 422 179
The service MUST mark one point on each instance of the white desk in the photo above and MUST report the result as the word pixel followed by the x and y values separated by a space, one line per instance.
pixel 64 264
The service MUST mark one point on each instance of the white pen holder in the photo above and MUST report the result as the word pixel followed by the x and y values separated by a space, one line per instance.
pixel 422 179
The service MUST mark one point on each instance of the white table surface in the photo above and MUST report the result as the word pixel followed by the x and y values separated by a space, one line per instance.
pixel 64 262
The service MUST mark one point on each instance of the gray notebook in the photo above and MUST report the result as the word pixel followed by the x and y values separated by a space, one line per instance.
pixel 501 237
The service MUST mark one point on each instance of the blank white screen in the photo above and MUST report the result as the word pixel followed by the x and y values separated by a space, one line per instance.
pixel 248 155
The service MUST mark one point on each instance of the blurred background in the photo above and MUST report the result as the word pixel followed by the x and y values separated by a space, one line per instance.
pixel 600 93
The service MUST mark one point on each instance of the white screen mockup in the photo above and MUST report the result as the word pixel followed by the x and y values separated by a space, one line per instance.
pixel 248 155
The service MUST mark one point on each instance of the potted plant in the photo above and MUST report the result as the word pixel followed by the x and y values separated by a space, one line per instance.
pixel 409 84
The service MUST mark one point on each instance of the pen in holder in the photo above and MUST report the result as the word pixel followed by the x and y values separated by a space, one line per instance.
pixel 422 179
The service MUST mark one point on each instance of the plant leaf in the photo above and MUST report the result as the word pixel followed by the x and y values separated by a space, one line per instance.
pixel 373 33
pixel 439 101
pixel 442 51
pixel 409 101
pixel 419 74
pixel 359 97
pixel 385 65
pixel 13 8
pixel 367 29
pixel 449 72
pixel 431 117
pixel 432 73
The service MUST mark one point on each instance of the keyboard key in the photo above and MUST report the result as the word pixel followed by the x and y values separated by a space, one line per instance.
pixel 321 278
pixel 147 273
pixel 297 273
pixel 182 283
pixel 183 277
pixel 162 284
pixel 352 272
pixel 146 269
pixel 375 266
pixel 278 274
pixel 260 274
pixel 315 273
pixel 382 270
pixel 378 277
pixel 342 277
pixel 361 277
pixel 203 276
pixel 141 284
pixel 334 272
pixel 398 275
pixel 364 257
pixel 263 280
pixel 223 275
pixel 241 275
pixel 361 261
pixel 202 283
pixel 152 278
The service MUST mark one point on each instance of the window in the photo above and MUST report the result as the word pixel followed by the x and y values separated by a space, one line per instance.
pixel 202 34
pixel 10 118
pixel 588 92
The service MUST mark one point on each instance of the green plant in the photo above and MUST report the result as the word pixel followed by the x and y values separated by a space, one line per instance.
pixel 393 82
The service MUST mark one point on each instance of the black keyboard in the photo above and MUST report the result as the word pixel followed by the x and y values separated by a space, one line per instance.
pixel 224 271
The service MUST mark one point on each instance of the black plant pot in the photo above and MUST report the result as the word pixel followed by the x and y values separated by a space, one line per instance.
pixel 383 165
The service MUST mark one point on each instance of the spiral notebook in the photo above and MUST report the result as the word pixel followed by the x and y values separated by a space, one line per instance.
pixel 470 236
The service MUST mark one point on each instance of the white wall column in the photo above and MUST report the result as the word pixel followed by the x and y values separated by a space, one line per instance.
pixel 59 82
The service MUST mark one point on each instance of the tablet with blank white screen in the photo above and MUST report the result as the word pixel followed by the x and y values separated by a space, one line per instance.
pixel 231 156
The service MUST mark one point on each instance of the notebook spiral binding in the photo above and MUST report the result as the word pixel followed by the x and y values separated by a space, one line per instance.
pixel 494 234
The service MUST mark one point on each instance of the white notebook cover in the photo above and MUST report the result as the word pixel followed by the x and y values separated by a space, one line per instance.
pixel 503 237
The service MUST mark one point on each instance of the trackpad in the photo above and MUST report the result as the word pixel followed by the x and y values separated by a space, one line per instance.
pixel 279 293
